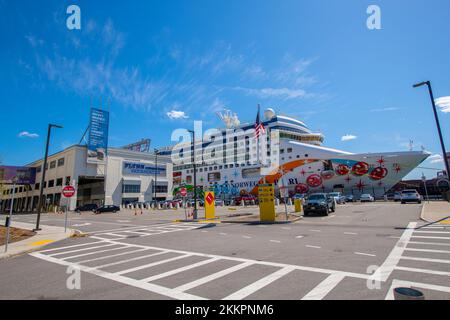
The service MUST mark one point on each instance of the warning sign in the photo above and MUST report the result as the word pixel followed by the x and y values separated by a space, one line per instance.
pixel 209 205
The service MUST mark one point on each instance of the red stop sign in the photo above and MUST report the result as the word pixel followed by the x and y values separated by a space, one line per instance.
pixel 68 191
pixel 183 192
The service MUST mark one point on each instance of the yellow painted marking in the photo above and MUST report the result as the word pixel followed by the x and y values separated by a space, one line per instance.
pixel 445 222
pixel 42 242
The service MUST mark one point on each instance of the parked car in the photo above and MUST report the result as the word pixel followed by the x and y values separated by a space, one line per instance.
pixel 86 207
pixel 247 199
pixel 299 196
pixel 349 198
pixel 219 202
pixel 397 196
pixel 319 202
pixel 410 196
pixel 107 208
pixel 366 198
pixel 338 197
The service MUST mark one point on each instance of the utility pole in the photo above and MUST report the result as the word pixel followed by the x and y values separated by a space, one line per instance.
pixel 156 174
pixel 433 103
pixel 44 169
pixel 195 173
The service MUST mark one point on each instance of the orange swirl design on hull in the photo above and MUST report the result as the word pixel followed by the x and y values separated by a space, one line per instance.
pixel 276 174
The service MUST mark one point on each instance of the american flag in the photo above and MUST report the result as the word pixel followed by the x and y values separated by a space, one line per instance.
pixel 259 127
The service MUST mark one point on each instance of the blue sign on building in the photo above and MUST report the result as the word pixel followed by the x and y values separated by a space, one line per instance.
pixel 98 135
pixel 142 169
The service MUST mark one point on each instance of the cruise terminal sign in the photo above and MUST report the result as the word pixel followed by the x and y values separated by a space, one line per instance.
pixel 136 168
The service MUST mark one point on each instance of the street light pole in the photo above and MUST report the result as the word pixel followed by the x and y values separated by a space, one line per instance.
pixel 428 83
pixel 44 169
pixel 195 173
pixel 156 173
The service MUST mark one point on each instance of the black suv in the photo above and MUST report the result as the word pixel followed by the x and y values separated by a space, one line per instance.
pixel 107 208
pixel 320 203
pixel 86 207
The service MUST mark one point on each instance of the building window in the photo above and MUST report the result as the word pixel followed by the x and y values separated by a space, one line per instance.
pixel 38 169
pixel 289 150
pixel 60 162
pixel 36 186
pixel 52 164
pixel 51 183
pixel 281 151
pixel 67 181
pixel 160 189
pixel 59 182
pixel 44 185
pixel 131 188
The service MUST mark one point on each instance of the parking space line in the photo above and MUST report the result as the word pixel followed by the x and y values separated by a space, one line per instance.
pixel 351 233
pixel 151 264
pixel 315 230
pixel 261 283
pixel 179 270
pixel 246 237
pixel 83 249
pixel 426 259
pixel 275 241
pixel 427 250
pixel 321 290
pixel 435 272
pixel 130 260
pixel 429 243
pixel 113 255
pixel 314 247
pixel 446 232
pixel 428 237
pixel 364 254
pixel 95 252
pixel 211 277
pixel 73 246
pixel 299 237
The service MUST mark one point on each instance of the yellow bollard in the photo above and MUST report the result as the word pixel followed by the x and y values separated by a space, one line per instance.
pixel 298 205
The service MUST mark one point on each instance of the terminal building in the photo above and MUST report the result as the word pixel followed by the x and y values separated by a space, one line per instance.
pixel 125 176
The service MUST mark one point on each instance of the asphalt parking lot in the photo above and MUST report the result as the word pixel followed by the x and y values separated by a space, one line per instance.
pixel 359 252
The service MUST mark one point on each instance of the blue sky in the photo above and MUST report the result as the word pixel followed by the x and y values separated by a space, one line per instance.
pixel 315 60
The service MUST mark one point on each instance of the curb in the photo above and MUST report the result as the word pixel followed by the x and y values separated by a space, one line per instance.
pixel 37 247
pixel 422 213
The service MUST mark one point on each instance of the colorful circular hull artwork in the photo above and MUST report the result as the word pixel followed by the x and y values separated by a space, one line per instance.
pixel 378 173
pixel 314 181
pixel 327 175
pixel 301 188
pixel 360 169
pixel 342 170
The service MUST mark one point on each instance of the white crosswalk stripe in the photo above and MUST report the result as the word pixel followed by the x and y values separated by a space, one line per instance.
pixel 125 267
pixel 433 240
pixel 122 262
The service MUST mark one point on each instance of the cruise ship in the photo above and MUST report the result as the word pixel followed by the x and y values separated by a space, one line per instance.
pixel 232 161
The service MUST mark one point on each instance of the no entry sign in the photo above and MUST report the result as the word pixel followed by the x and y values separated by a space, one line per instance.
pixel 68 191
pixel 183 192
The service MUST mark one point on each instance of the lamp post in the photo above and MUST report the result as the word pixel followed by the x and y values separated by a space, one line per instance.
pixel 195 173
pixel 9 218
pixel 44 169
pixel 156 173
pixel 444 152
pixel 424 179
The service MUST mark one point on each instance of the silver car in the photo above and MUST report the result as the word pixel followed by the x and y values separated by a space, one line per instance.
pixel 411 196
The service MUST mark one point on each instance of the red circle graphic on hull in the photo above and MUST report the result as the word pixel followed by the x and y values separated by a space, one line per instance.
pixel 378 173
pixel 314 181
pixel 360 169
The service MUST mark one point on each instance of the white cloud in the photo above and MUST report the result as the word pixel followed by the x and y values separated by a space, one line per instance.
pixel 174 114
pixel 349 137
pixel 384 109
pixel 26 134
pixel 444 104
pixel 435 158
pixel 283 93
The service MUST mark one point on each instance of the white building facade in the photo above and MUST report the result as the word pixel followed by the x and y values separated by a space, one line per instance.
pixel 125 176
